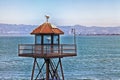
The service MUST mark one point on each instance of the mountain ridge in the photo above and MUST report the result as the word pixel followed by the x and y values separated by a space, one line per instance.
pixel 22 29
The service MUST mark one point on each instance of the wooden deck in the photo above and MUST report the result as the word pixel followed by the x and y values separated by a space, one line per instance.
pixel 47 51
pixel 51 55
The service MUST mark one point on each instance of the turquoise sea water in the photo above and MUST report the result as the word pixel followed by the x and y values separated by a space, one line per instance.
pixel 98 58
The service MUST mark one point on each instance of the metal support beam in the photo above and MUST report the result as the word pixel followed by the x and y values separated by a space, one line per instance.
pixel 61 68
pixel 51 69
pixel 47 68
pixel 33 69
pixel 40 70
pixel 54 68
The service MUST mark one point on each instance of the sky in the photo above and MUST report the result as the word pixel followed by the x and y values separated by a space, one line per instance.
pixel 62 12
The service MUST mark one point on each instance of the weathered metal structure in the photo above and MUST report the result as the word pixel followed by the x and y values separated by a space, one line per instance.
pixel 47 47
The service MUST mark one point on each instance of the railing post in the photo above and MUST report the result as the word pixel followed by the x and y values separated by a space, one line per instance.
pixel 58 48
pixel 32 49
pixel 52 48
pixel 42 49
pixel 46 49
pixel 61 49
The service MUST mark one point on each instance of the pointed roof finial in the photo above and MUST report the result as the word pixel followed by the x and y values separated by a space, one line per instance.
pixel 47 17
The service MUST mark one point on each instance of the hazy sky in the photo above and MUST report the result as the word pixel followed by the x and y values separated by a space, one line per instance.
pixel 61 12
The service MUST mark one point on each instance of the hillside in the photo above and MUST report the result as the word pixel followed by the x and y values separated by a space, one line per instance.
pixel 24 30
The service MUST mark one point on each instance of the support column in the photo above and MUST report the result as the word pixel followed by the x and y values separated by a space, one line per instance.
pixel 33 69
pixel 61 68
pixel 47 68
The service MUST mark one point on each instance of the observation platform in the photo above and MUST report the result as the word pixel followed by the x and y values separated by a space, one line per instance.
pixel 47 51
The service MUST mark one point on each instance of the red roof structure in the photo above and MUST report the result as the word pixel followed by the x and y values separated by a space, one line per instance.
pixel 47 28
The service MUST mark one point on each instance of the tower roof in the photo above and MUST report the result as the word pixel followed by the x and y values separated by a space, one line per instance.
pixel 47 28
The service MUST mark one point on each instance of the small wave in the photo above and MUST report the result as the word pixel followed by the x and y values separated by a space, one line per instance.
pixel 82 78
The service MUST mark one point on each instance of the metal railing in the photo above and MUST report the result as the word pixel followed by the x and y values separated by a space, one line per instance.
pixel 46 49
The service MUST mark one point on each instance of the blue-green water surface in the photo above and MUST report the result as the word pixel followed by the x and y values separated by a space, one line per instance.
pixel 98 58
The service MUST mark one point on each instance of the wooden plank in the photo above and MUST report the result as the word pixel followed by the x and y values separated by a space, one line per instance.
pixel 49 55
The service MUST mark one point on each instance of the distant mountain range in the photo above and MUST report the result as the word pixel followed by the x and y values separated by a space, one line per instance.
pixel 25 30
